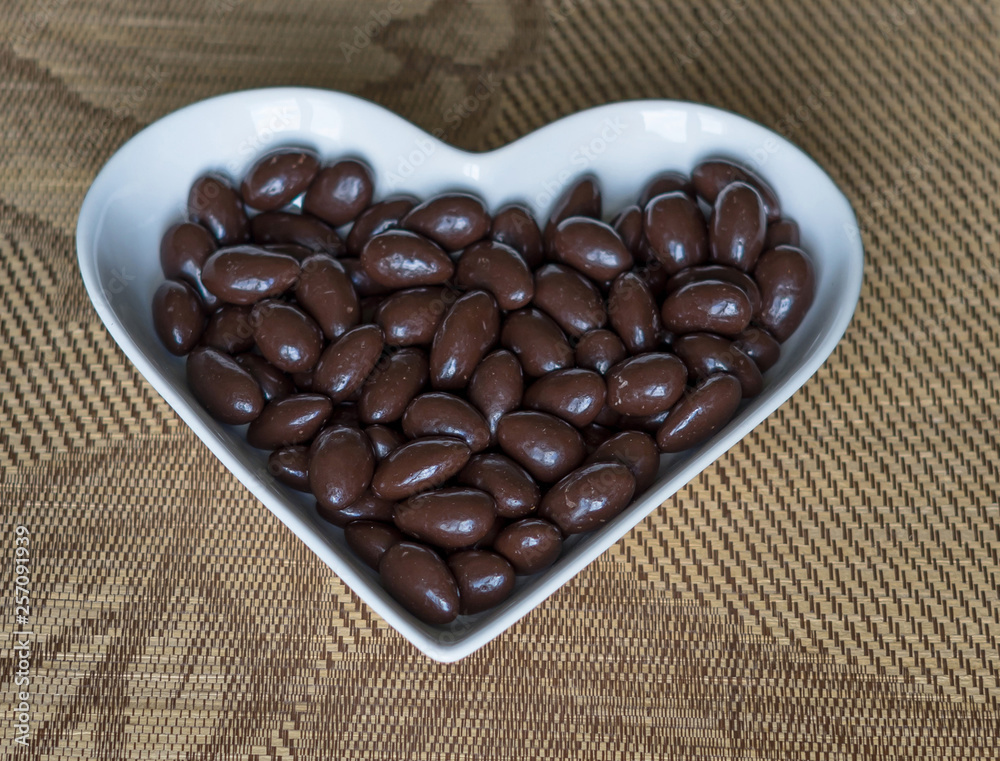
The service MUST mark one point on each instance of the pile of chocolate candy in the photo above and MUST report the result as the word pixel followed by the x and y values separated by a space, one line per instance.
pixel 463 390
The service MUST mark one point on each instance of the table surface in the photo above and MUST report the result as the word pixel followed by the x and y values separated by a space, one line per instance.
pixel 827 590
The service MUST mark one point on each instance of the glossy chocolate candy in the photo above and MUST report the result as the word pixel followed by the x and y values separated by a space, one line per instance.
pixel 787 287
pixel 213 204
pixel 449 518
pixel 701 413
pixel 633 313
pixel 178 317
pixel 367 507
pixel 575 395
pixel 539 344
pixel 589 330
pixel 515 493
pixel 546 446
pixel 345 413
pixel 229 329
pixel 370 539
pixel 286 228
pixel 385 215
pixel 707 306
pixel 290 466
pixel 274 180
pixel 452 220
pixel 487 541
pixel 419 465
pixel 497 387
pixel 581 199
pixel 717 272
pixel 384 440
pixel 295 250
pixel 628 225
pixel 340 192
pixel 570 299
pixel 588 497
pixel 364 286
pixel 499 269
pixel 760 346
pixel 642 423
pixel 710 177
pixel 590 247
pixel 291 420
pixel 287 337
pixel 411 317
pixel 398 378
pixel 737 227
pixel 273 382
pixel 227 391
pixel 442 414
pixel 515 227
pixel 419 580
pixel 341 464
pixel 530 545
pixel 634 449
pixel 646 384
pixel 600 350
pixel 676 231
pixel 666 182
pixel 246 274
pixel 325 291
pixel 184 249
pixel 468 331
pixel 346 364
pixel 403 259
pixel 705 354
pixel 783 232
pixel 484 579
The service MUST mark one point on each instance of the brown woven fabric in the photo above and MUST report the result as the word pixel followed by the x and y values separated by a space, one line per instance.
pixel 828 590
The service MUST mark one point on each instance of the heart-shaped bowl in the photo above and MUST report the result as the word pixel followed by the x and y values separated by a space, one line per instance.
pixel 143 189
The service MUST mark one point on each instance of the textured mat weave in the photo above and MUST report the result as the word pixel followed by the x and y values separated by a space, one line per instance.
pixel 828 590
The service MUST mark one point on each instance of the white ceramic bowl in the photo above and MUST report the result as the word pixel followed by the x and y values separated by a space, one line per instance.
pixel 143 188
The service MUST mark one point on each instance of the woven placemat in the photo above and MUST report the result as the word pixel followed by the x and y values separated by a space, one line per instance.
pixel 827 590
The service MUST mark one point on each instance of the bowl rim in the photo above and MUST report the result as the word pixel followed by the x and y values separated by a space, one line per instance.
pixel 427 639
